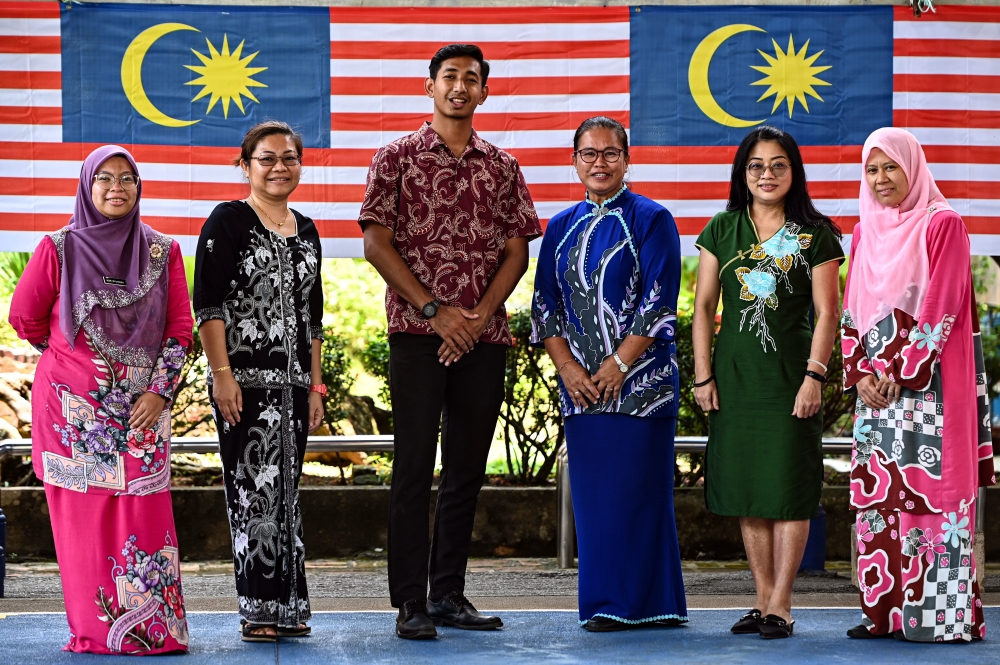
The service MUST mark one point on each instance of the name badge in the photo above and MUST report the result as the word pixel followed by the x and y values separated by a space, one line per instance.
pixel 115 282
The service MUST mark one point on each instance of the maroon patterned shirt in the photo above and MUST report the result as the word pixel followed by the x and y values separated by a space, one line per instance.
pixel 452 218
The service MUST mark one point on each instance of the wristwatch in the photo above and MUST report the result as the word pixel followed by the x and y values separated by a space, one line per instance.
pixel 318 388
pixel 430 309
pixel 621 366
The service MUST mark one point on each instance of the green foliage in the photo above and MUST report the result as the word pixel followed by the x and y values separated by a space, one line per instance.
pixel 354 301
pixel 375 359
pixel 11 268
pixel 691 420
pixel 530 418
pixel 190 410
pixel 336 374
pixel 990 329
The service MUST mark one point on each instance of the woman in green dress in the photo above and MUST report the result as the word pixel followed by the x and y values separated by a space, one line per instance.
pixel 774 258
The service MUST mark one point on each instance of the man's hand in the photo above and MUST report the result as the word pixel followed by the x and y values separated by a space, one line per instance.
pixel 455 326
pixel 476 321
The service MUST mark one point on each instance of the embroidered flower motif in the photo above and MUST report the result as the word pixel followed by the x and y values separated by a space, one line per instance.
pixel 117 403
pixel 909 505
pixel 902 494
pixel 891 520
pixel 894 534
pixel 945 560
pixel 960 615
pixel 147 572
pixel 955 530
pixel 155 251
pixel 912 622
pixel 965 561
pixel 962 588
pixel 140 442
pixel 865 535
pixel 757 284
pixel 929 545
pixel 210 244
pixel 940 617
pixel 97 438
pixel 904 333
pixel 172 599
pixel 928 456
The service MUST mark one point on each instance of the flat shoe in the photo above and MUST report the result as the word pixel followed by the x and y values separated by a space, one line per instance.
pixel 605 625
pixel 773 627
pixel 748 624
pixel 294 632
pixel 248 636
pixel 861 632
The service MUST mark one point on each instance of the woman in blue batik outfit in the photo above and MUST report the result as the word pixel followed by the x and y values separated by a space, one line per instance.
pixel 605 309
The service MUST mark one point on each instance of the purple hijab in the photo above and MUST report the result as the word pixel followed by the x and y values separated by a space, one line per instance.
pixel 114 283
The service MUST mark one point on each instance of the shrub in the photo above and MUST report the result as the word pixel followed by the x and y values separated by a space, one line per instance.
pixel 375 359
pixel 336 375
pixel 191 412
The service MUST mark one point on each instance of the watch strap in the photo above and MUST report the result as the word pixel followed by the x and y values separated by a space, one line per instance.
pixel 622 367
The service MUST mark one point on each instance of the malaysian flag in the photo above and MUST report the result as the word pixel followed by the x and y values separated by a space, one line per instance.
pixel 684 80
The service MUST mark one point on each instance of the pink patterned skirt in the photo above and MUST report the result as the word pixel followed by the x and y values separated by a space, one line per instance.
pixel 120 571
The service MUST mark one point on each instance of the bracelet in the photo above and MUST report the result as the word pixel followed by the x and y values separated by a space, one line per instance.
pixel 816 375
pixel 705 382
pixel 825 368
pixel 224 368
pixel 564 364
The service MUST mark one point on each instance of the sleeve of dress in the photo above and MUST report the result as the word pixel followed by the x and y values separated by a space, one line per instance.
pixel 517 208
pixel 316 296
pixel 178 332
pixel 706 239
pixel 215 266
pixel 856 363
pixel 35 295
pixel 658 279
pixel 546 305
pixel 825 247
pixel 381 203
pixel 949 283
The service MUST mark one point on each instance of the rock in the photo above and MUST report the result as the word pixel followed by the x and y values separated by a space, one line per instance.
pixel 366 480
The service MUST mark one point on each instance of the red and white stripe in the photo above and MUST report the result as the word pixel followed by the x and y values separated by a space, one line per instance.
pixel 550 69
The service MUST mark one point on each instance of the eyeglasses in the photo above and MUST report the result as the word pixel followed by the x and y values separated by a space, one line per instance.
pixel 611 155
pixel 105 180
pixel 777 169
pixel 271 160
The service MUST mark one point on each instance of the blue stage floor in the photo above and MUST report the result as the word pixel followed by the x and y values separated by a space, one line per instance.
pixel 529 637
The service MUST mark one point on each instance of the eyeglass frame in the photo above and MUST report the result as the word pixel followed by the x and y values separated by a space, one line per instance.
pixel 297 158
pixel 769 167
pixel 117 180
pixel 602 153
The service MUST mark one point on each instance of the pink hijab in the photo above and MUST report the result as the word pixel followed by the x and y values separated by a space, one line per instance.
pixel 889 269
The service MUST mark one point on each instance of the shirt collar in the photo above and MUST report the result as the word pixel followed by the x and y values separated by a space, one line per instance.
pixel 430 140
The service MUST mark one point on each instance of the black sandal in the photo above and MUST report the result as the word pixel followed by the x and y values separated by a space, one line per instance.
pixel 302 631
pixel 773 627
pixel 861 632
pixel 247 634
pixel 748 624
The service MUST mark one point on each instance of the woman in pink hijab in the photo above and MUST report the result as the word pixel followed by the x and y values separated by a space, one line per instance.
pixel 106 301
pixel 912 351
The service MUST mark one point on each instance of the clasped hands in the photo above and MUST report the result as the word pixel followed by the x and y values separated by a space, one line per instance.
pixel 460 329
pixel 586 390
pixel 878 393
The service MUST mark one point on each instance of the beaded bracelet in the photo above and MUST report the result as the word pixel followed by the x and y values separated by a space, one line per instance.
pixel 825 368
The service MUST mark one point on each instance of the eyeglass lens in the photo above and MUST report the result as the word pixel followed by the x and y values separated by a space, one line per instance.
pixel 107 181
pixel 271 160
pixel 589 155
pixel 777 169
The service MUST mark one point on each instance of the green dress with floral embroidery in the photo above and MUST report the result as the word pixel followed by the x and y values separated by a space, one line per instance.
pixel 761 460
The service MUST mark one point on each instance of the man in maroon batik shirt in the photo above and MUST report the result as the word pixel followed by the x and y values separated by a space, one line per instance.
pixel 447 219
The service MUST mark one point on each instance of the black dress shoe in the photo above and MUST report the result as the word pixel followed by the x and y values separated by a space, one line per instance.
pixel 773 627
pixel 749 623
pixel 413 622
pixel 861 632
pixel 455 610
pixel 605 625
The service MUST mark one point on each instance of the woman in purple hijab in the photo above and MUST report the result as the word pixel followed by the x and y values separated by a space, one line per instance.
pixel 106 301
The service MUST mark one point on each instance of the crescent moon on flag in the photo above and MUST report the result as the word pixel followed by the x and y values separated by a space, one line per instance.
pixel 698 75
pixel 132 74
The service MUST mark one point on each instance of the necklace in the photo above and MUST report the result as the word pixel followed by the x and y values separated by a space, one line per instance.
pixel 258 207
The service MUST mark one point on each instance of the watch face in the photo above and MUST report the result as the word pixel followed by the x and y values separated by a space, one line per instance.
pixel 429 310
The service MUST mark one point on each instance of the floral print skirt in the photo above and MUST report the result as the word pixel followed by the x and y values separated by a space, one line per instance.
pixel 120 570
pixel 917 573
pixel 262 461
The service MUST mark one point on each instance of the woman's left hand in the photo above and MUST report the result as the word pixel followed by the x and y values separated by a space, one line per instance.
pixel 315 410
pixel 609 379
pixel 809 399
pixel 146 411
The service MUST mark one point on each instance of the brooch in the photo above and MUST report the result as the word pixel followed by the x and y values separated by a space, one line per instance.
pixel 156 251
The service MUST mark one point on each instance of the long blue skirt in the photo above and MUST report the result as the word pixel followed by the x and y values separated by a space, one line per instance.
pixel 630 562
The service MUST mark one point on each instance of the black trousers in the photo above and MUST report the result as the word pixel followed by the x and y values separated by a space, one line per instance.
pixel 462 402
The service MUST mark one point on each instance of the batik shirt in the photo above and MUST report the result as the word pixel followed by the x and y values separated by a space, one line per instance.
pixel 452 217
pixel 604 273
pixel 267 290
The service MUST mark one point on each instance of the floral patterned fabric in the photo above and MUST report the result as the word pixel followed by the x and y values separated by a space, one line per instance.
pixel 921 460
pixel 606 272
pixel 452 217
pixel 762 461
pixel 267 290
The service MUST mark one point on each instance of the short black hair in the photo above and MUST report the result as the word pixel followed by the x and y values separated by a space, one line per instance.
pixel 601 122
pixel 459 51
pixel 799 207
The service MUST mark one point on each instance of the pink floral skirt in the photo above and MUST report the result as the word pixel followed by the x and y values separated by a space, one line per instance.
pixel 917 573
pixel 120 571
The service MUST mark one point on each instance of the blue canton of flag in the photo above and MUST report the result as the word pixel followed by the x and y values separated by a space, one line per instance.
pixel 193 75
pixel 823 74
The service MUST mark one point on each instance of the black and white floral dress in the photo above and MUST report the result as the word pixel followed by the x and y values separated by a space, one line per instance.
pixel 267 290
